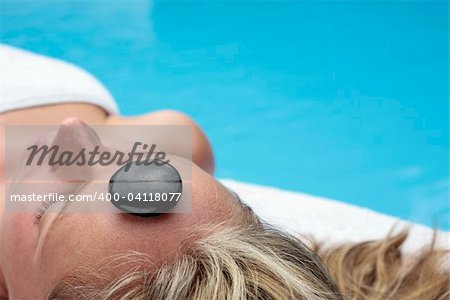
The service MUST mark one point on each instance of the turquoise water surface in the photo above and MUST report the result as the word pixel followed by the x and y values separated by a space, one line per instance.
pixel 341 99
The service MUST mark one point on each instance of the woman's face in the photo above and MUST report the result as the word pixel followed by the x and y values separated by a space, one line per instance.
pixel 34 253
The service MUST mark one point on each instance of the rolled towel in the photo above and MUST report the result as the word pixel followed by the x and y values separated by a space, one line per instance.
pixel 28 80
pixel 328 220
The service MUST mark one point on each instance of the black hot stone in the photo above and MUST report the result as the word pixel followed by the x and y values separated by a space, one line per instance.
pixel 136 191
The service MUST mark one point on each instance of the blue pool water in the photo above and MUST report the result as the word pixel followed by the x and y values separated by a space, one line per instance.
pixel 341 99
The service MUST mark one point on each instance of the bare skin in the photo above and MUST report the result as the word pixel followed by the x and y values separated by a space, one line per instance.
pixel 74 237
pixel 53 114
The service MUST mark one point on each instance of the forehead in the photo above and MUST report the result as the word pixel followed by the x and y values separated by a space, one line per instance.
pixel 81 239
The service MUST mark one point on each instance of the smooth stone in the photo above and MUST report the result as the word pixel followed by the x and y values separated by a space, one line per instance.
pixel 142 179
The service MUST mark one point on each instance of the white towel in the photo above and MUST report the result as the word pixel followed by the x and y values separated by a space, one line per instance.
pixel 328 220
pixel 28 79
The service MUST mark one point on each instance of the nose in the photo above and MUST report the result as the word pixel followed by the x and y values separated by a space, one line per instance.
pixel 74 134
pixel 73 139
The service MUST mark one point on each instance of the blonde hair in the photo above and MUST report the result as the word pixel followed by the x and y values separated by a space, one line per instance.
pixel 256 261
pixel 379 270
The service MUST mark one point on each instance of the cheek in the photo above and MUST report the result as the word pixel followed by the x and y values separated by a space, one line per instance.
pixel 19 238
pixel 18 242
